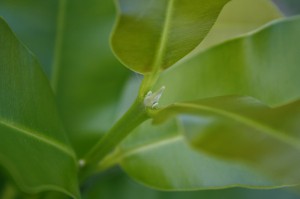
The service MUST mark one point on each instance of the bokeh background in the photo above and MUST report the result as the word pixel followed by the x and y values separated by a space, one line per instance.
pixel 89 63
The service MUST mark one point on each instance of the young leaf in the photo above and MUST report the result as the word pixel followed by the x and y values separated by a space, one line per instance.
pixel 33 146
pixel 243 129
pixel 153 35
pixel 264 64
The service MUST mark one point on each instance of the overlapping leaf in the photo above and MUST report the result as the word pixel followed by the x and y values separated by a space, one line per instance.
pixel 153 35
pixel 243 129
pixel 33 145
pixel 263 64
pixel 159 156
pixel 86 76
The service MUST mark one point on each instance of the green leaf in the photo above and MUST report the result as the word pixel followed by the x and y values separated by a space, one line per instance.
pixel 244 129
pixel 238 18
pixel 33 145
pixel 116 185
pixel 153 35
pixel 264 64
pixel 88 78
pixel 81 63
pixel 160 157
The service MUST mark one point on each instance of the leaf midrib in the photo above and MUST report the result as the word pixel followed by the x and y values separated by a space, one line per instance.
pixel 246 121
pixel 119 155
pixel 164 37
pixel 33 134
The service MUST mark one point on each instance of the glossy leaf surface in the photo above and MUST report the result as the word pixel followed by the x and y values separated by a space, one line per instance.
pixel 264 65
pixel 33 145
pixel 244 129
pixel 153 35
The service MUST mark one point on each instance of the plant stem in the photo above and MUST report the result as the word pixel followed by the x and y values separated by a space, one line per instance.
pixel 130 120
pixel 148 82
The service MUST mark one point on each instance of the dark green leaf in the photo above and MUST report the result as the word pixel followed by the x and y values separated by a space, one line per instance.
pixel 33 145
pixel 153 35
pixel 86 76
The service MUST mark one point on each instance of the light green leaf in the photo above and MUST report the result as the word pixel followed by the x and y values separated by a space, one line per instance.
pixel 153 35
pixel 264 64
pixel 33 145
pixel 244 129
pixel 116 185
pixel 239 17
pixel 159 156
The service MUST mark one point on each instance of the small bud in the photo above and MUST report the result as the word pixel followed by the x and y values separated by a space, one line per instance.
pixel 151 99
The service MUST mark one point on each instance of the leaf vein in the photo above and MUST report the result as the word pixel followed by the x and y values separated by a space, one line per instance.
pixel 31 133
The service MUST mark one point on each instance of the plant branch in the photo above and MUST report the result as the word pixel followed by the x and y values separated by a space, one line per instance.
pixel 129 121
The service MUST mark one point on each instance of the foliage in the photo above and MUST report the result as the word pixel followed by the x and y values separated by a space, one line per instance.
pixel 213 102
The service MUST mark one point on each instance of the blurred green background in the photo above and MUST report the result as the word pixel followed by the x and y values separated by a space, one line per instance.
pixel 89 63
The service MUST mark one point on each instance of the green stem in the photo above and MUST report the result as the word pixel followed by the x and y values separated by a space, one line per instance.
pixel 129 121
pixel 148 82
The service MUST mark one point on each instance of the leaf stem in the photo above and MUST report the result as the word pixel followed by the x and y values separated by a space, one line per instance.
pixel 135 115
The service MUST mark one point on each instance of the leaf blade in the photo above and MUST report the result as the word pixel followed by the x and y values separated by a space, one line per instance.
pixel 237 18
pixel 145 42
pixel 27 103
pixel 243 129
pixel 145 160
pixel 144 154
pixel 249 65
